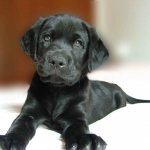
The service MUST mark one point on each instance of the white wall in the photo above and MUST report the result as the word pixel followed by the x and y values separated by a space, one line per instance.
pixel 124 25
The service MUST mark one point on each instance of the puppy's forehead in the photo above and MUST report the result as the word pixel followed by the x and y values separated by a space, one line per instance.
pixel 66 24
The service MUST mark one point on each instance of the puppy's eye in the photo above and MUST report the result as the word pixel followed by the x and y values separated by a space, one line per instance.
pixel 78 43
pixel 47 37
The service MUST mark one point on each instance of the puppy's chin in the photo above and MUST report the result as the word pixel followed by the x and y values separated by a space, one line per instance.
pixel 52 79
pixel 56 81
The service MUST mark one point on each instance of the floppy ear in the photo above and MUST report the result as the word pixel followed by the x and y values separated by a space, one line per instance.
pixel 98 53
pixel 30 38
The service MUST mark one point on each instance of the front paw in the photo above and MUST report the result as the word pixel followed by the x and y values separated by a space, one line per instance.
pixel 9 142
pixel 86 142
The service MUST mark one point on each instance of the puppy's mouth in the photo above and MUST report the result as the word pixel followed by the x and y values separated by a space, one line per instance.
pixel 53 79
pixel 56 80
pixel 59 78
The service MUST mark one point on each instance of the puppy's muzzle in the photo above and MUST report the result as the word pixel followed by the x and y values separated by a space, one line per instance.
pixel 57 60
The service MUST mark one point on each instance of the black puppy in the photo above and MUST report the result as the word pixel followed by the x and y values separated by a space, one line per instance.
pixel 64 49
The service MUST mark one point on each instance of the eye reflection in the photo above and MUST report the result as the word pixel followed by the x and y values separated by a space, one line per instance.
pixel 47 37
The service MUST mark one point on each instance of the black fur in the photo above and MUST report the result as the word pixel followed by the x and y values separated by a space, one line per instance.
pixel 64 49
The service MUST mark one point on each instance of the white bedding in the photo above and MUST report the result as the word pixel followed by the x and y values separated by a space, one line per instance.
pixel 125 129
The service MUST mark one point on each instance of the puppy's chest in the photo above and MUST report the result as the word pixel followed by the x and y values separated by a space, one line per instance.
pixel 56 105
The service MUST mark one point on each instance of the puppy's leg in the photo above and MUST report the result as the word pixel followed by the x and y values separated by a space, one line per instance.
pixel 19 134
pixel 24 126
pixel 76 133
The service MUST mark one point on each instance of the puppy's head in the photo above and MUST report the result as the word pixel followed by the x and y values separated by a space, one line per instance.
pixel 64 49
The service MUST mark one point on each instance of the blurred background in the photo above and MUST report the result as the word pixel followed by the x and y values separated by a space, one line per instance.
pixel 123 25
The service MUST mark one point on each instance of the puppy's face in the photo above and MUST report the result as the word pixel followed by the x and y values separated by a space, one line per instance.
pixel 60 46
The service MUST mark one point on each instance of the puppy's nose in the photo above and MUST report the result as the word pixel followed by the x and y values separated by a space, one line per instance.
pixel 58 62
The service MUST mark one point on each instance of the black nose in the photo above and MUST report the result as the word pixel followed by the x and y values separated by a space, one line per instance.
pixel 58 62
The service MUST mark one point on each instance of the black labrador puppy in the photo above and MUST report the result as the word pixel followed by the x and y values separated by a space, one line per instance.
pixel 64 49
